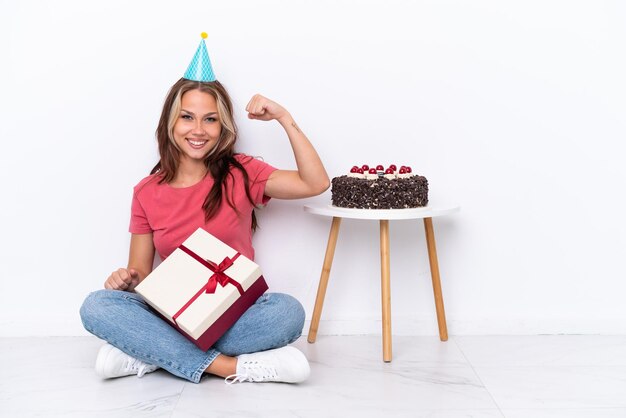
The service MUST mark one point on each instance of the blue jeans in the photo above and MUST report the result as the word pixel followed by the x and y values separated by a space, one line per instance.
pixel 125 321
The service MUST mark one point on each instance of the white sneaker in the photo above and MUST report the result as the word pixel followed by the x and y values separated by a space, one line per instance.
pixel 112 362
pixel 286 364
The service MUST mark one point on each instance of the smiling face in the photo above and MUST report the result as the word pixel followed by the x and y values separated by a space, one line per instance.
pixel 197 128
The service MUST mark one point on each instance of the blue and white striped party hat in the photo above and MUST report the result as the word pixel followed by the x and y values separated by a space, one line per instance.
pixel 200 68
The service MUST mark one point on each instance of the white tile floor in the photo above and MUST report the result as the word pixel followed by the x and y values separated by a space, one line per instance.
pixel 513 377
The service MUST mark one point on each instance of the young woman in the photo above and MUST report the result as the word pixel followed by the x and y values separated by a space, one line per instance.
pixel 201 182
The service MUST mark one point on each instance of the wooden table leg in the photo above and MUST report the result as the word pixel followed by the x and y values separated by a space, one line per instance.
pixel 321 290
pixel 385 283
pixel 434 272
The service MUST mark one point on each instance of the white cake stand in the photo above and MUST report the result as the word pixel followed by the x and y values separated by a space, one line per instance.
pixel 383 216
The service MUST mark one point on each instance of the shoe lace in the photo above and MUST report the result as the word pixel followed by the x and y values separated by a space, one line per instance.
pixel 254 371
pixel 136 365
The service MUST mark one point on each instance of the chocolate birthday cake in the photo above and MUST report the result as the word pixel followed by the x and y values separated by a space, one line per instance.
pixel 377 188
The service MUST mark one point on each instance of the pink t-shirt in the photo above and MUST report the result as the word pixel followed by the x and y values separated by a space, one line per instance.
pixel 173 214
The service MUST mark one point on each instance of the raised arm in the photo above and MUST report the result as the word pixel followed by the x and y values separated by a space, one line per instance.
pixel 310 179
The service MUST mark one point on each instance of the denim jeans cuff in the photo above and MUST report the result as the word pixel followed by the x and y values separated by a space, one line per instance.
pixel 197 375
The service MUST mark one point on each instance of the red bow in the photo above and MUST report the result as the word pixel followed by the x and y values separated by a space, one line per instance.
pixel 218 276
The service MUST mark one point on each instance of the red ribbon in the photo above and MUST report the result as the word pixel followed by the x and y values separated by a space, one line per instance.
pixel 218 276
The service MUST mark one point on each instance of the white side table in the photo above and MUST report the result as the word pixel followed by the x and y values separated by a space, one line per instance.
pixel 383 216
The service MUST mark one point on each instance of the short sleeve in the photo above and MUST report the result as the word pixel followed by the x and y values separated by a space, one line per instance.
pixel 258 173
pixel 138 219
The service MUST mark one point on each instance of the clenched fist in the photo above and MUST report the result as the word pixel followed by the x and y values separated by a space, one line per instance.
pixel 262 108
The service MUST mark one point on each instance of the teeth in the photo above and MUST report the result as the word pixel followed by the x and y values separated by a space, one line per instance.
pixel 197 143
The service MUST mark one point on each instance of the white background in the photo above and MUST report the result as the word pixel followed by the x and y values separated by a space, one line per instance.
pixel 514 110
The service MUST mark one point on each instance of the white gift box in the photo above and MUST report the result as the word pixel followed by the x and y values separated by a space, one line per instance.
pixel 203 288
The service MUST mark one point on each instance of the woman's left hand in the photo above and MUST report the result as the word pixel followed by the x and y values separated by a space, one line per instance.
pixel 262 108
